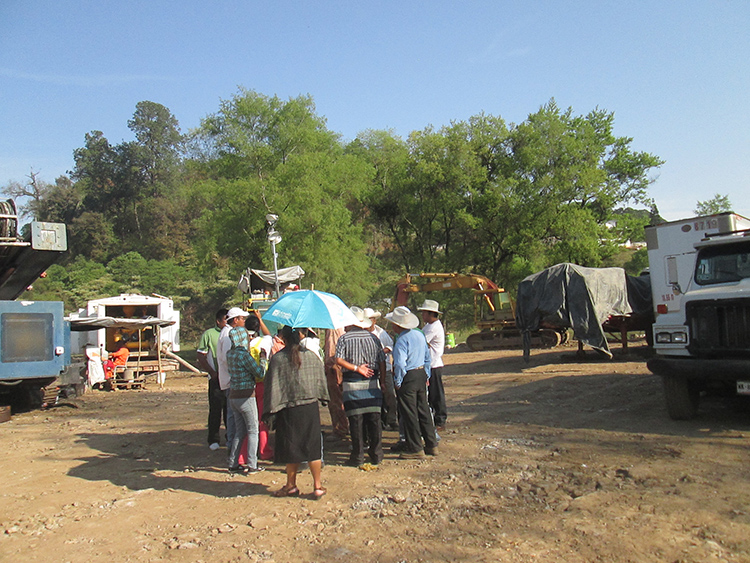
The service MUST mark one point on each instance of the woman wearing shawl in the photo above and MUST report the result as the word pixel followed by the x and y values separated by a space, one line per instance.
pixel 294 383
pixel 243 371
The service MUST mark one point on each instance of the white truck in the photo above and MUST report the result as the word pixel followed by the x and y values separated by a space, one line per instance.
pixel 700 281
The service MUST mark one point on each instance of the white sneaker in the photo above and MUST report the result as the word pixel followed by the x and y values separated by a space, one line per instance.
pixel 215 446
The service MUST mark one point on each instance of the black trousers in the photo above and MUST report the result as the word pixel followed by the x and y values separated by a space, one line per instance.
pixel 415 411
pixel 436 396
pixel 217 411
pixel 389 411
pixel 366 424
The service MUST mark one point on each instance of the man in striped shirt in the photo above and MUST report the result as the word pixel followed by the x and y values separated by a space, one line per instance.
pixel 362 361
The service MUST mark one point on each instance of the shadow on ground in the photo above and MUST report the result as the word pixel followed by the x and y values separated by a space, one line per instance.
pixel 163 460
pixel 632 403
pixel 176 460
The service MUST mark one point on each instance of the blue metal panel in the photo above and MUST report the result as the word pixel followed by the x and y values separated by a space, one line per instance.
pixel 34 339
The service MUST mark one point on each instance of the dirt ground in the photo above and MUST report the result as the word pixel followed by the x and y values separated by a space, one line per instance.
pixel 555 460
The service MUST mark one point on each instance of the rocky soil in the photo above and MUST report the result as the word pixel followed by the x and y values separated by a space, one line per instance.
pixel 560 459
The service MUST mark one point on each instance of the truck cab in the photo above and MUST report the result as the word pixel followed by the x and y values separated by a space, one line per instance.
pixel 700 271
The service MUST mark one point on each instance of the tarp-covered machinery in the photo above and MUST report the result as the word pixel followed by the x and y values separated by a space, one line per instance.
pixel 591 301
pixel 259 286
pixel 494 309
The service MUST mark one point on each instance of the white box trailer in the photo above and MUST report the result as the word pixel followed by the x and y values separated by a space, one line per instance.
pixel 144 342
pixel 132 306
pixel 700 281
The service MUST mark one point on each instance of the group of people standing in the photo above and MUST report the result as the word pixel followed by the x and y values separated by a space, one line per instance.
pixel 258 382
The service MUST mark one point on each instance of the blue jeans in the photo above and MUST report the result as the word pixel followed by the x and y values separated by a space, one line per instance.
pixel 245 424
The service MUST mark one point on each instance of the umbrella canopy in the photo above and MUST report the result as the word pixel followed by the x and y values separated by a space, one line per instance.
pixel 311 309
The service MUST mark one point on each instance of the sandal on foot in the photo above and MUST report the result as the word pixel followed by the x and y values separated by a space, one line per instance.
pixel 317 494
pixel 287 492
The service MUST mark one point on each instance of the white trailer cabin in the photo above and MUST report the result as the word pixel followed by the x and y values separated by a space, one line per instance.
pixel 132 306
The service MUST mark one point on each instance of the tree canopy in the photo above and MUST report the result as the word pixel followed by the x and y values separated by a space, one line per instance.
pixel 717 204
pixel 183 215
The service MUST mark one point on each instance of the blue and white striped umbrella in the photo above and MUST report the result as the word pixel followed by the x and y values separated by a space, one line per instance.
pixel 309 308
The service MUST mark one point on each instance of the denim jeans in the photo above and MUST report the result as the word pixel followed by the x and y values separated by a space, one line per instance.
pixel 245 423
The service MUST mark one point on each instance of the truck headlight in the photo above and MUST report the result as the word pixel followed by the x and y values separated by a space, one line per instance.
pixel 679 337
pixel 671 337
pixel 663 337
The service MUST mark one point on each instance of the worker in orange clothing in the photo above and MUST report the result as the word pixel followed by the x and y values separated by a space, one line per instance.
pixel 120 357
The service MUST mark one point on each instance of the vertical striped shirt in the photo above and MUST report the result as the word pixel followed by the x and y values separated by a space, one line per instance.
pixel 361 394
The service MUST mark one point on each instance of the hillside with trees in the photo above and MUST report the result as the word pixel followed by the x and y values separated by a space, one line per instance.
pixel 183 214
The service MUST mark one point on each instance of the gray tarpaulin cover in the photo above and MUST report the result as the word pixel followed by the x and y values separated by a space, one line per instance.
pixel 95 323
pixel 286 275
pixel 571 296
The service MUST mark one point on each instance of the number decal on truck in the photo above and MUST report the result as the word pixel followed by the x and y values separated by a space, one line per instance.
pixel 706 224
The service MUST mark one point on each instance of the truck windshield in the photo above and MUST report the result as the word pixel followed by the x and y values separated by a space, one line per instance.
pixel 722 264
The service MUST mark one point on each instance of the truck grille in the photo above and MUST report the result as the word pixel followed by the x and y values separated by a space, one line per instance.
pixel 719 328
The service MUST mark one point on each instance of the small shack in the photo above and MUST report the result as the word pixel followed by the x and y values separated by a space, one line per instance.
pixel 147 325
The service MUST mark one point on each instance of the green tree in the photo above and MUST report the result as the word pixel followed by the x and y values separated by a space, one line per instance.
pixel 159 141
pixel 252 134
pixel 559 179
pixel 95 170
pixel 259 155
pixel 717 204
pixel 503 201
pixel 132 185
pixel 62 202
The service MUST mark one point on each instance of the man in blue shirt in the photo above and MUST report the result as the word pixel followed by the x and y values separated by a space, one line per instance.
pixel 411 370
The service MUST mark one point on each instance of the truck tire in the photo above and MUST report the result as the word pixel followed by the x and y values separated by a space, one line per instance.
pixel 682 397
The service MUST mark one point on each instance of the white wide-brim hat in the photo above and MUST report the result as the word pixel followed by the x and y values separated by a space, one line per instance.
pixel 430 305
pixel 362 320
pixel 403 317
pixel 372 313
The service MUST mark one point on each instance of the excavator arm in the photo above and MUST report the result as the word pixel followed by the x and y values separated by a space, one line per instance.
pixel 447 282
pixel 494 310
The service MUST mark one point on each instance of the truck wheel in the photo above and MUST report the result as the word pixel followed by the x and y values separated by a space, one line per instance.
pixel 682 397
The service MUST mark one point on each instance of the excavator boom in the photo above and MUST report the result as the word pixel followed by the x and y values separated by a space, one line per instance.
pixel 494 310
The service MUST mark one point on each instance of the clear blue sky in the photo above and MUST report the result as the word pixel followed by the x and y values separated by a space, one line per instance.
pixel 676 73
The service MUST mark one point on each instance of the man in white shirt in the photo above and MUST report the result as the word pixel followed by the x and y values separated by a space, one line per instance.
pixel 235 317
pixel 435 335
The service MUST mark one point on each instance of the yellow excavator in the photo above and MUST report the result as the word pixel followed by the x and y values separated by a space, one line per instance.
pixel 494 309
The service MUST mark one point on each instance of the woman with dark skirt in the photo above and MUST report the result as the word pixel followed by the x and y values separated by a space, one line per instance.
pixel 294 383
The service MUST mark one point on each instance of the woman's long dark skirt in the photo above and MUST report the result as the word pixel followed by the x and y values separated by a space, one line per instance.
pixel 298 434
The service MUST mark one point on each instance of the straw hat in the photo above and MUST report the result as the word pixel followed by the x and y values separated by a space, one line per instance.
pixel 372 313
pixel 403 317
pixel 430 305
pixel 362 320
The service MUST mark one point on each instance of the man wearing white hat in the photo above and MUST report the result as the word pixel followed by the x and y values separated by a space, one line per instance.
pixel 435 335
pixel 235 317
pixel 411 369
